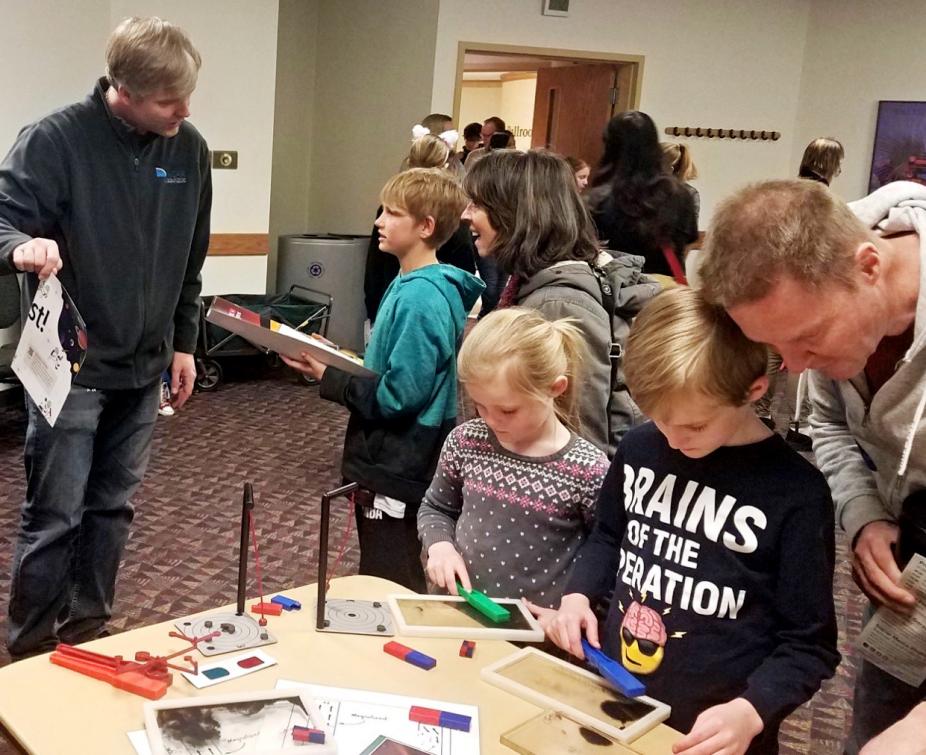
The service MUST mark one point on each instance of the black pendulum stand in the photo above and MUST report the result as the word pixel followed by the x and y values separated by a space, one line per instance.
pixel 247 505
pixel 344 490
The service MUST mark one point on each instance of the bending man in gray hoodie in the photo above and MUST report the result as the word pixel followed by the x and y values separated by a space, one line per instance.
pixel 841 290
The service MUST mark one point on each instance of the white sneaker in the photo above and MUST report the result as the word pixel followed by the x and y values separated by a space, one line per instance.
pixel 165 409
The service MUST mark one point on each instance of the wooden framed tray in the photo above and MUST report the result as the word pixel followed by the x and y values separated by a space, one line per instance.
pixel 451 616
pixel 552 733
pixel 579 694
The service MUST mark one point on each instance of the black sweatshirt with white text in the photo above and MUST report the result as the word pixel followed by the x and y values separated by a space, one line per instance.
pixel 724 576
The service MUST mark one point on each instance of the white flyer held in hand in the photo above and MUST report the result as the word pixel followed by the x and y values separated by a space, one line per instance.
pixel 51 348
pixel 896 643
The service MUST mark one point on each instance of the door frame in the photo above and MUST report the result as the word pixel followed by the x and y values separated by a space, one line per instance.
pixel 577 56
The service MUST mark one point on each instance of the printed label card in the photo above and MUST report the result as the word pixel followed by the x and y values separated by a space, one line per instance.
pixel 896 643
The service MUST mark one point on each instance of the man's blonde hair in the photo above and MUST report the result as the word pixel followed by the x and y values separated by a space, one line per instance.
pixel 768 230
pixel 427 192
pixel 146 55
pixel 681 343
pixel 531 352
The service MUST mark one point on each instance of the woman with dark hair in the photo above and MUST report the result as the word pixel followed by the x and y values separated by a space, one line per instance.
pixel 501 140
pixel 526 213
pixel 637 207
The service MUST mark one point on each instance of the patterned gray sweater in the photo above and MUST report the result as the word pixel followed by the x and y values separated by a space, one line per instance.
pixel 517 520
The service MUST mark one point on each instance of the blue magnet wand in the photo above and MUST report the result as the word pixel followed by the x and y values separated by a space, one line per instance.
pixel 625 682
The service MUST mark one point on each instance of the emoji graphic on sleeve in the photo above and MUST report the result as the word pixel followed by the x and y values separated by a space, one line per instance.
pixel 643 639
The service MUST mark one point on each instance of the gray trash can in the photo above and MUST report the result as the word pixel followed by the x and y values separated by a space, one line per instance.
pixel 334 264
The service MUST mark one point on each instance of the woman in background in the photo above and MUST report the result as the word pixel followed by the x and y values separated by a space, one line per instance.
pixel 637 207
pixel 822 160
pixel 678 162
pixel 581 171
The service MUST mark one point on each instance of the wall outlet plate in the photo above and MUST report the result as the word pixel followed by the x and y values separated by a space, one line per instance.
pixel 225 159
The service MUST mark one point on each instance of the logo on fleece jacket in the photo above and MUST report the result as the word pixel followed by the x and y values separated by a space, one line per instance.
pixel 170 176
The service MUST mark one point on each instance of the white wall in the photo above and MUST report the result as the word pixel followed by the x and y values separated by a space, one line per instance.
pixel 713 63
pixel 233 108
pixel 373 83
pixel 233 102
pixel 245 274
pixel 518 97
pixel 478 101
pixel 54 52
pixel 293 122
pixel 38 76
pixel 51 56
pixel 858 53
pixel 511 100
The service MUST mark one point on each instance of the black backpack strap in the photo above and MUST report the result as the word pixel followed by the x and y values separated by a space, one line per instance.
pixel 616 353
pixel 609 302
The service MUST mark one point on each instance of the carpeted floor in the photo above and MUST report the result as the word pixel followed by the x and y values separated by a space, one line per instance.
pixel 271 429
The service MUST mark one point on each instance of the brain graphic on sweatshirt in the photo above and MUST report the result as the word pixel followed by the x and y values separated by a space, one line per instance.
pixel 645 624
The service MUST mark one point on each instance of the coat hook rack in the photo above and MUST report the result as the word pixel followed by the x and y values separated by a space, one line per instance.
pixel 723 133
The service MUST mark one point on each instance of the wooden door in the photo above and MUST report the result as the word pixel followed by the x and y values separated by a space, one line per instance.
pixel 574 103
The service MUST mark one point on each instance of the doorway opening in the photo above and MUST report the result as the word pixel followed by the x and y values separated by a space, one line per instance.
pixel 556 99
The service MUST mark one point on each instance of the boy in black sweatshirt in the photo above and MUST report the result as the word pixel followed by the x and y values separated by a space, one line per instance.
pixel 720 537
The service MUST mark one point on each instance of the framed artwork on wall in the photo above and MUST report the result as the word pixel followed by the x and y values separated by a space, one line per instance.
pixel 899 152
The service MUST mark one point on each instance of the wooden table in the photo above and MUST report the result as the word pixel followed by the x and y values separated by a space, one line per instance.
pixel 51 710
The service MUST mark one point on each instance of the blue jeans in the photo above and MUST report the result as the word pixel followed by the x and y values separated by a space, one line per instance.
pixel 495 281
pixel 75 522
pixel 880 700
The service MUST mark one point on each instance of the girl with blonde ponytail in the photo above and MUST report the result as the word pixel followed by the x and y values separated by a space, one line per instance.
pixel 678 161
pixel 514 493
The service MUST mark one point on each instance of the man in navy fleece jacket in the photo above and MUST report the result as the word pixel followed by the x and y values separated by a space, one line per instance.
pixel 113 195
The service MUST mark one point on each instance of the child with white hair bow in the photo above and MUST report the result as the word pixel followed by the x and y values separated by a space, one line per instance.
pixel 450 137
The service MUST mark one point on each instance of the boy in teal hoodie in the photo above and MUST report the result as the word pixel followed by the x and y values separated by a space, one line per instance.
pixel 400 418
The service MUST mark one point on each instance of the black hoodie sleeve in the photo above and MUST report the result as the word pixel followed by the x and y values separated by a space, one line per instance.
pixel 459 249
pixel 381 269
pixel 597 560
pixel 33 191
pixel 685 228
pixel 186 316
